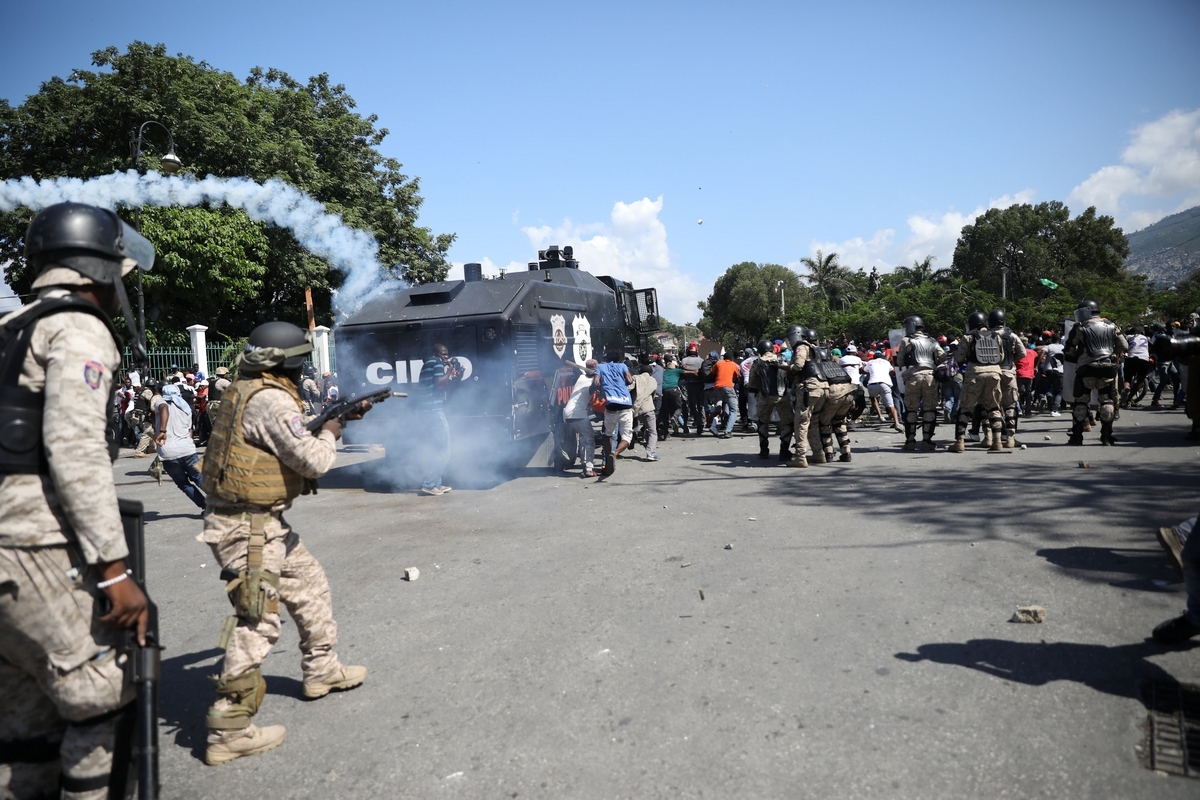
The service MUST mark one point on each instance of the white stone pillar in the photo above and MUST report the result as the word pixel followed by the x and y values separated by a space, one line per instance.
pixel 321 349
pixel 199 350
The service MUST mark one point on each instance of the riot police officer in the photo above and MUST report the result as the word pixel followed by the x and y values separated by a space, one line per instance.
pixel 260 458
pixel 1010 395
pixel 768 382
pixel 981 352
pixel 1094 346
pixel 919 354
pixel 810 373
pixel 63 679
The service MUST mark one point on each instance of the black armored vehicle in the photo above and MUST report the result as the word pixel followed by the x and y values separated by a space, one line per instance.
pixel 511 337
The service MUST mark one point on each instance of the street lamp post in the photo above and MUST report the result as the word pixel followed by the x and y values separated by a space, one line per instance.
pixel 1013 252
pixel 779 285
pixel 170 164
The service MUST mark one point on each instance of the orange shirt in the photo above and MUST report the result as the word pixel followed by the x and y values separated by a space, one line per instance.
pixel 724 372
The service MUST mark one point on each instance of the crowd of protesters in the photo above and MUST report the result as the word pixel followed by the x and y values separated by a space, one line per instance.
pixel 695 394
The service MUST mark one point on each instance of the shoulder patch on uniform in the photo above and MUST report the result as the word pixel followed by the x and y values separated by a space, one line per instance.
pixel 296 423
pixel 93 373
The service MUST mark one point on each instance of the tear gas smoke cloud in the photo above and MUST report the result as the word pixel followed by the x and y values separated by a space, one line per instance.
pixel 351 251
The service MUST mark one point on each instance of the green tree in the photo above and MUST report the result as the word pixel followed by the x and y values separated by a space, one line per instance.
pixel 216 265
pixel 1084 256
pixel 745 302
pixel 829 279
pixel 919 273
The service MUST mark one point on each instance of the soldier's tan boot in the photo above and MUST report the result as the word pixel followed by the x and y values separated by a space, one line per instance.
pixel 225 746
pixel 996 446
pixel 928 446
pixel 818 457
pixel 959 446
pixel 1010 442
pixel 345 678
pixel 798 461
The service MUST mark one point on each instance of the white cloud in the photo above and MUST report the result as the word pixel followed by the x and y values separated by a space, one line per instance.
pixel 1162 163
pixel 927 235
pixel 631 246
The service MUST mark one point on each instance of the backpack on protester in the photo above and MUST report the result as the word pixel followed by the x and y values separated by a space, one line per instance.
pixel 946 371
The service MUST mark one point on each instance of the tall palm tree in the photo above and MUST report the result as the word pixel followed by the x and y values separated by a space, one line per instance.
pixel 920 272
pixel 827 276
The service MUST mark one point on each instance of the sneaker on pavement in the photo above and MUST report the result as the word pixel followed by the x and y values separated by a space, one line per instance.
pixel 345 678
pixel 229 745
pixel 1056 413
pixel 433 491
pixel 651 457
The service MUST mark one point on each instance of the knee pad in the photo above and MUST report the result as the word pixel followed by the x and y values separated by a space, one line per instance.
pixel 910 416
pixel 1079 411
pixel 245 693
pixel 1107 412
pixel 929 417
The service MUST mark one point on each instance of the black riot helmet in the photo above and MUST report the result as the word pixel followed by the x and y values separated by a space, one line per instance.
pixel 997 319
pixel 276 345
pixel 975 321
pixel 89 240
pixel 810 335
pixel 794 334
pixel 1086 310
pixel 913 324
pixel 764 347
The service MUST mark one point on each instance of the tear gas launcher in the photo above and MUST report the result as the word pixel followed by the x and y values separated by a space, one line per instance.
pixel 339 409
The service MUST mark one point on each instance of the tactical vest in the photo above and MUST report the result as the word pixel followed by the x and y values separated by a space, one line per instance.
pixel 236 471
pixel 21 409
pixel 1008 360
pixel 810 370
pixel 986 349
pixel 830 370
pixel 921 352
pixel 1099 341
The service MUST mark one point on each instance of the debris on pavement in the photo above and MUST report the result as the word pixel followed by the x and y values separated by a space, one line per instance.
pixel 1084 465
pixel 685 564
pixel 701 594
pixel 411 573
pixel 728 547
pixel 1030 614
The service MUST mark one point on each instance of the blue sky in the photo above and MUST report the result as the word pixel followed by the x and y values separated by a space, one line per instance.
pixel 872 129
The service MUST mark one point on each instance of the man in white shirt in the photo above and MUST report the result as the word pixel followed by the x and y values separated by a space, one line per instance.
pixel 879 386
pixel 173 423
pixel 577 413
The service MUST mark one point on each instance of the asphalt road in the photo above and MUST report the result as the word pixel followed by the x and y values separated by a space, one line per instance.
pixel 853 642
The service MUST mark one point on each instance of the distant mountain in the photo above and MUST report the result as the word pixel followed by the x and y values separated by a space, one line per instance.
pixel 1167 251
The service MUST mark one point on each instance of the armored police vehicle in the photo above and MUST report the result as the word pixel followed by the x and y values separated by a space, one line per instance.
pixel 509 337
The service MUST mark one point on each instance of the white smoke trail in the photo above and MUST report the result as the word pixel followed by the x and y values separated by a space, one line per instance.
pixel 351 251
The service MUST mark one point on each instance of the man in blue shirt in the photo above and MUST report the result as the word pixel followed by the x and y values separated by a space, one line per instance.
pixel 614 381
pixel 437 374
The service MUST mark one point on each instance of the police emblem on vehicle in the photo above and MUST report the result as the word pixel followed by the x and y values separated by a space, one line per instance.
pixel 558 328
pixel 582 330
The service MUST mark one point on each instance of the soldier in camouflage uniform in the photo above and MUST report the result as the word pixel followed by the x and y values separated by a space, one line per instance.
pixel 981 351
pixel 1010 393
pixel 837 403
pixel 259 458
pixel 63 671
pixel 918 356
pixel 767 382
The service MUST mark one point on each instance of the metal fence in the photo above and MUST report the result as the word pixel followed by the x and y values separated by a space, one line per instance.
pixel 161 358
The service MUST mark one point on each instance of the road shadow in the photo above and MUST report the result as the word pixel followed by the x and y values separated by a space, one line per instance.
pixel 1124 567
pixel 1111 670
pixel 971 496
pixel 185 693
